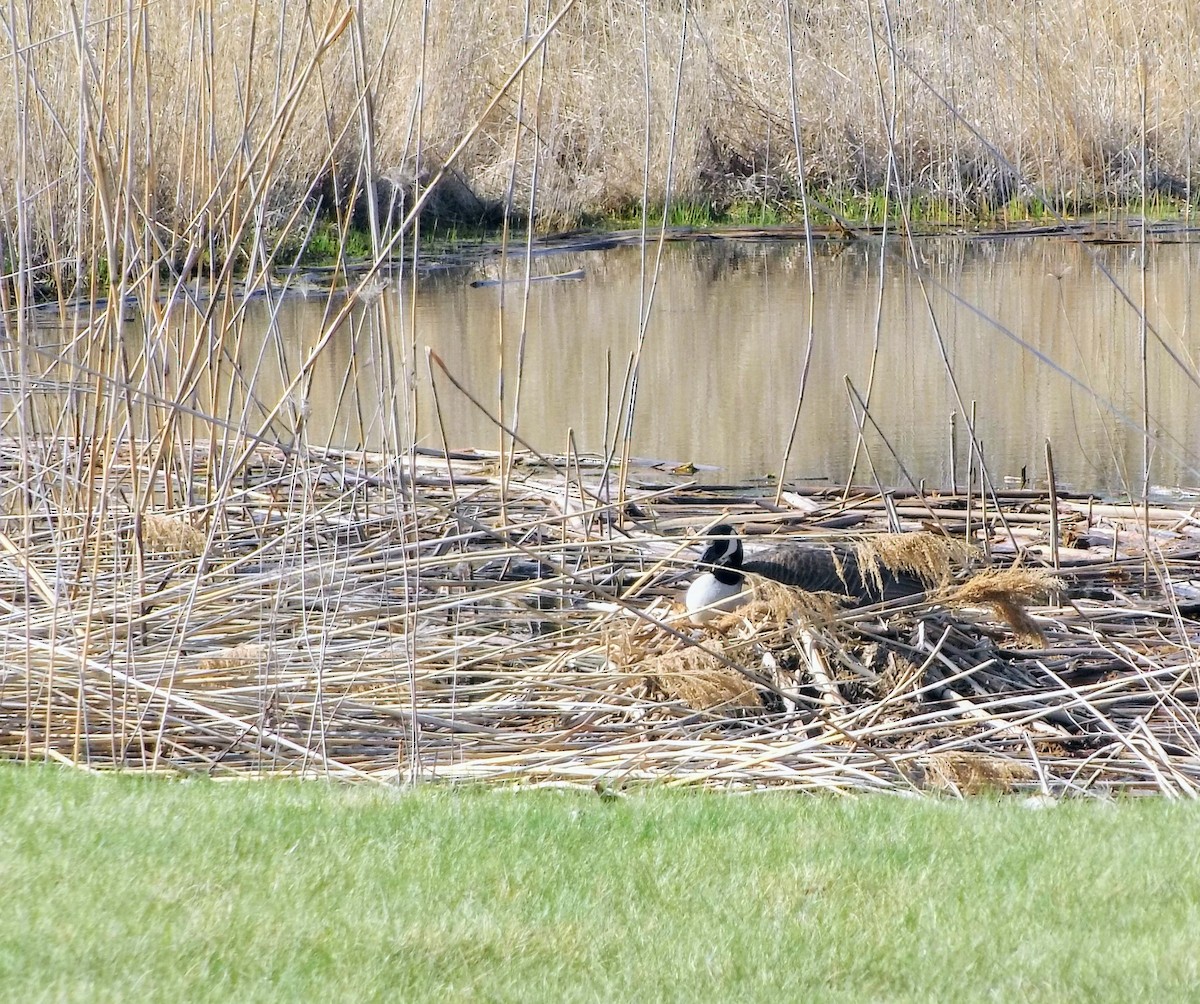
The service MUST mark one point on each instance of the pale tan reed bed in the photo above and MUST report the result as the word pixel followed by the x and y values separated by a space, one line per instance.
pixel 371 618
pixel 198 124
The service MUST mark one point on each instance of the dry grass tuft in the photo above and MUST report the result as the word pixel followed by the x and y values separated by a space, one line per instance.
pixel 931 557
pixel 1007 591
pixel 775 604
pixel 973 773
pixel 164 534
pixel 248 657
pixel 697 677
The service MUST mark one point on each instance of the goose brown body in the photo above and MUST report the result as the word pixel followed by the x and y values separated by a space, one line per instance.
pixel 831 568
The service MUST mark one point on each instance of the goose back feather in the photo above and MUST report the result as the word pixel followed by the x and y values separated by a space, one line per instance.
pixel 830 568
pixel 813 567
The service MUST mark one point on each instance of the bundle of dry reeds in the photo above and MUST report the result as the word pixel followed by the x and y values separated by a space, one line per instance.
pixel 226 129
pixel 364 617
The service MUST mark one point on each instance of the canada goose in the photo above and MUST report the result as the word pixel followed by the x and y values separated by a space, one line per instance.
pixel 814 567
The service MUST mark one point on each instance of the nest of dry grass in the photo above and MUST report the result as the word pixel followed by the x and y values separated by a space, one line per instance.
pixel 351 617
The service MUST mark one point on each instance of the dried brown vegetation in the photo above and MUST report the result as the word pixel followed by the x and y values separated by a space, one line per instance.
pixel 190 581
pixel 363 618
pixel 182 128
pixel 1007 591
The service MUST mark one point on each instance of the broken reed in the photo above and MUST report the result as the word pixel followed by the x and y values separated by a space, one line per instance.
pixel 353 616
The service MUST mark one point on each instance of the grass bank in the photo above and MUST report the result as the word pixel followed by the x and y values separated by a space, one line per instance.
pixel 308 891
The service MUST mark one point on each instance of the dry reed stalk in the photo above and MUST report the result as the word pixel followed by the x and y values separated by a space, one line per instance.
pixel 350 619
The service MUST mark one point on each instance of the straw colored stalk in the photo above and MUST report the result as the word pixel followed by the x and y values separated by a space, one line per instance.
pixel 343 621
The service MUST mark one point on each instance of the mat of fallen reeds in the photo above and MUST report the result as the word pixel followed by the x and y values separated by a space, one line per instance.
pixel 403 619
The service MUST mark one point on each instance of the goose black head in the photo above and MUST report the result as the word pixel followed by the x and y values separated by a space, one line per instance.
pixel 723 556
pixel 720 586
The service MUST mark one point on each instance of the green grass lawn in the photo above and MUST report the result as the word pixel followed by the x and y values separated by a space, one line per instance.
pixel 117 887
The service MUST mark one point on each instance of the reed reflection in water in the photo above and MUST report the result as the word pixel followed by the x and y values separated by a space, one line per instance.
pixel 725 350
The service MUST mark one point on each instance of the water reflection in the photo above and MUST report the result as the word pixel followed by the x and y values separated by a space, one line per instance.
pixel 724 351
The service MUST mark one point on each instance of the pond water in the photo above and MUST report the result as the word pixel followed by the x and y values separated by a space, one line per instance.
pixel 1032 332
pixel 1036 335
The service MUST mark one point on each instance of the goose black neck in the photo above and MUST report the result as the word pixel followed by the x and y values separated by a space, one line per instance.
pixel 727 576
pixel 723 556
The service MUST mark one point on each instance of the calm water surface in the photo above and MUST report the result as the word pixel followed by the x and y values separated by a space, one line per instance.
pixel 1028 332
pixel 1036 338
